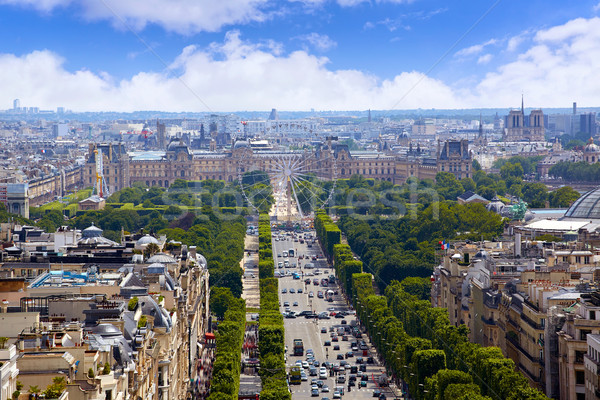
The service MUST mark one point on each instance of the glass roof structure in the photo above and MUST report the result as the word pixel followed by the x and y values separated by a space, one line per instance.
pixel 586 207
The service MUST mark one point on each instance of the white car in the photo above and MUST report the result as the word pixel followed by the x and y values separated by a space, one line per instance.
pixel 304 364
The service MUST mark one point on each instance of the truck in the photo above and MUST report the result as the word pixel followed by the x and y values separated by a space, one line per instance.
pixel 298 347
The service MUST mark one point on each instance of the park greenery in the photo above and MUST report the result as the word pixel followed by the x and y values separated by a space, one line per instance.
pixel 271 331
pixel 576 171
pixel 225 382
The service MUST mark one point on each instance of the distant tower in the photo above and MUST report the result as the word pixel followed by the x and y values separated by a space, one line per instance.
pixel 16 104
pixel 574 108
pixel 273 116
pixel 369 115
pixel 160 135
pixel 202 137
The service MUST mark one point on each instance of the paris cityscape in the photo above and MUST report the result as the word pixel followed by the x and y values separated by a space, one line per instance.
pixel 328 199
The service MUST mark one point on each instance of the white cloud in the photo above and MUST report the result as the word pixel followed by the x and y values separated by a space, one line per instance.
pixel 181 16
pixel 233 75
pixel 475 49
pixel 321 42
pixel 561 66
pixel 484 59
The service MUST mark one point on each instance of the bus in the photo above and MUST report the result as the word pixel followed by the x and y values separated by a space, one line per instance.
pixel 291 252
pixel 295 376
pixel 298 347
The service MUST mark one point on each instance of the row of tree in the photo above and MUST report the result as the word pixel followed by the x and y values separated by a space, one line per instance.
pixel 225 383
pixel 576 171
pixel 271 333
pixel 328 233
pixel 434 358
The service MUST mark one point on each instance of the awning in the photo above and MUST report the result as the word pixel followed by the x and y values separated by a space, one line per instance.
pixel 209 336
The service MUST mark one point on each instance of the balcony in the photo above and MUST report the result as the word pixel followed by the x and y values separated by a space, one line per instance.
pixel 521 350
pixel 488 321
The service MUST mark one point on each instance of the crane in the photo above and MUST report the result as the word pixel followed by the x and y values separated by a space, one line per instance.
pixel 100 187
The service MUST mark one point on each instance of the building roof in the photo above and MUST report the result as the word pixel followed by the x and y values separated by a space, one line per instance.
pixel 586 207
pixel 470 196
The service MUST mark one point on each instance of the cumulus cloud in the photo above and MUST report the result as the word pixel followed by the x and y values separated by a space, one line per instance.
pixel 181 16
pixel 232 75
pixel 321 42
pixel 561 66
pixel 557 68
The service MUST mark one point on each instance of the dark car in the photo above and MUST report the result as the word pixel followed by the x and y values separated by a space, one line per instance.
pixel 336 347
pixel 339 315
pixel 363 368
pixel 370 360
pixel 327 343
pixel 376 393
pixel 340 356
pixel 349 354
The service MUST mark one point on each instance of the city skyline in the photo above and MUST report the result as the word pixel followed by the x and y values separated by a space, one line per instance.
pixel 297 55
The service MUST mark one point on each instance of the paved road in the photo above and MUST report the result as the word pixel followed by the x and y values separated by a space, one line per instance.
pixel 309 330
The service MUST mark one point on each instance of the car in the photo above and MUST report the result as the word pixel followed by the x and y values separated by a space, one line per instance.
pixel 303 376
pixel 320 383
pixel 334 338
pixel 313 382
pixel 325 389
pixel 370 360
pixel 327 343
pixel 284 290
pixel 288 310
pixel 323 330
pixel 382 397
pixel 344 337
pixel 341 379
pixel 376 392
pixel 362 368
pixel 349 354
pixel 359 360
pixel 279 255
pixel 310 352
pixel 344 322
pixel 295 304
pixel 286 303
pixel 322 375
pixel 310 294
pixel 313 372
pixel 304 364
pixel 340 356
pixel 290 315
pixel 292 290
pixel 314 392
pixel 336 347
pixel 338 315
pixel 352 383
pixel 307 281
pixel 310 315
pixel 363 384
pixel 300 290
pixel 337 395
pixel 324 316
pixel 325 398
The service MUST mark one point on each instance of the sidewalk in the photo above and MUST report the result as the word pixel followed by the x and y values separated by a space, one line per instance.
pixel 251 291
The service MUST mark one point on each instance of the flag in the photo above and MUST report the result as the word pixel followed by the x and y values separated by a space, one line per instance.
pixel 444 245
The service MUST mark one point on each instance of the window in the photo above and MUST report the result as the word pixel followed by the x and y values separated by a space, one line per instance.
pixel 592 314
pixel 579 377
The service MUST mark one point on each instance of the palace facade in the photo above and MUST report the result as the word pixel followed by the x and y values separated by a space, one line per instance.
pixel 328 161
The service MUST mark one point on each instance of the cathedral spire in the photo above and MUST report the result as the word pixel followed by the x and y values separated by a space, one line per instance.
pixel 522 104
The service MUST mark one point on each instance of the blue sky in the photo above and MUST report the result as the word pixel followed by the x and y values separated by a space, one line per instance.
pixel 228 55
